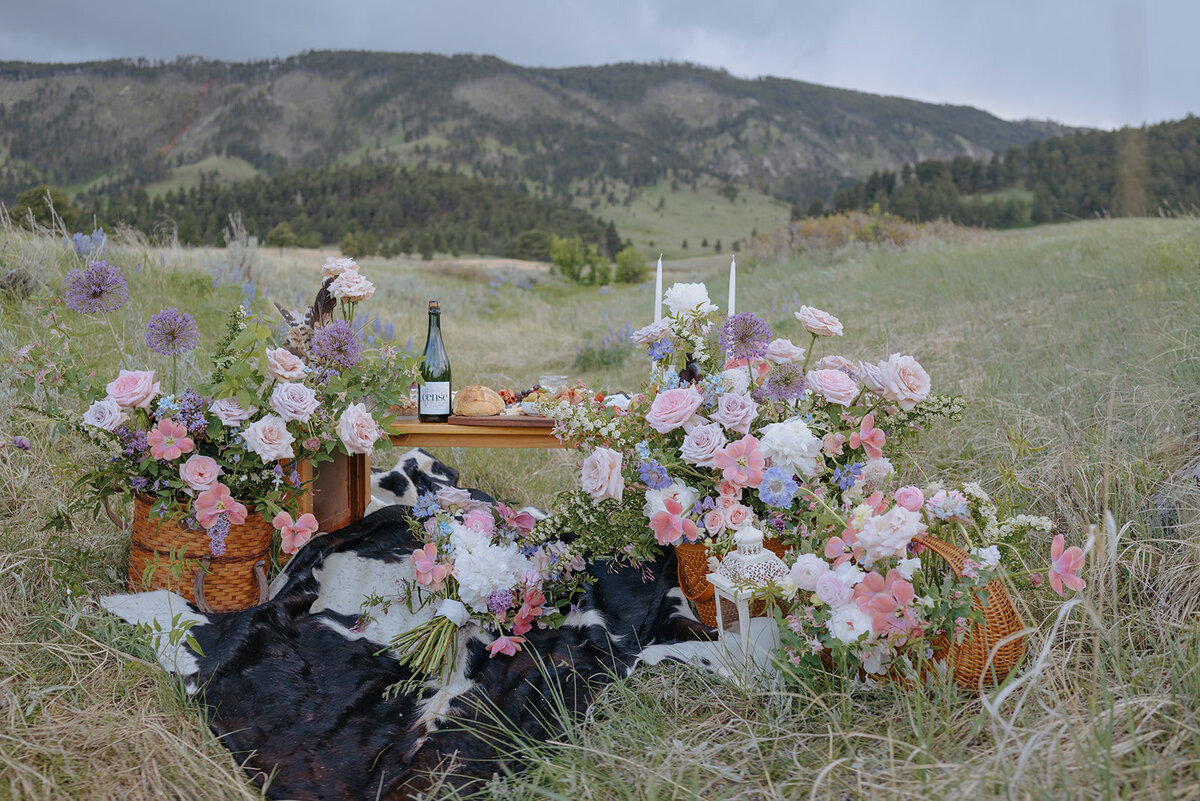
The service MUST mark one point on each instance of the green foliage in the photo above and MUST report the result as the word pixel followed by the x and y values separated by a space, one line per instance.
pixel 531 245
pixel 631 266
pixel 568 256
pixel 42 202
pixel 282 236
pixel 359 244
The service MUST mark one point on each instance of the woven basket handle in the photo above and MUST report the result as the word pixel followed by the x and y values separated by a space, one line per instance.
pixel 700 597
pixel 260 575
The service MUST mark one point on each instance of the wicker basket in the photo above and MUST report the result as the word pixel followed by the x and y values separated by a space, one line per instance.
pixel 692 566
pixel 980 660
pixel 165 555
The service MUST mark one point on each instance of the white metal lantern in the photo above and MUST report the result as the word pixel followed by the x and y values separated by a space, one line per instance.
pixel 739 581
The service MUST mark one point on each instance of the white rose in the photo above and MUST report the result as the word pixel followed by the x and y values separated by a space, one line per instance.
pixel 782 351
pixel 601 475
pixel 651 333
pixel 791 446
pixel 889 534
pixel 294 401
pixel 848 623
pixel 656 500
pixel 269 438
pixel 357 429
pixel 871 376
pixel 808 568
pixel 334 267
pixel 904 381
pixel 815 321
pixel 285 365
pixel 105 414
pixel 702 443
pixel 351 287
pixel 687 298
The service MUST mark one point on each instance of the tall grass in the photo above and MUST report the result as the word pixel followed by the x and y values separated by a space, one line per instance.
pixel 1076 349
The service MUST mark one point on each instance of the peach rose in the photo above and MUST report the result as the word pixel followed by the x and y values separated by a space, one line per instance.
pixel 737 515
pixel 905 382
pixel 601 475
pixel 351 287
pixel 285 365
pixel 673 408
pixel 200 472
pixel 783 351
pixel 357 429
pixel 134 389
pixel 335 267
pixel 294 402
pixel 833 385
pixel 714 522
pixel 834 362
pixel 269 438
pixel 815 321
pixel 230 412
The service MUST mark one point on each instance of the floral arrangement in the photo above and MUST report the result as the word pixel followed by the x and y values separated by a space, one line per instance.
pixel 208 451
pixel 485 566
pixel 741 428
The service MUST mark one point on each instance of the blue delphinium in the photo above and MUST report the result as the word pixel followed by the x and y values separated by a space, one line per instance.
pixel 660 349
pixel 427 505
pixel 654 474
pixel 777 488
pixel 847 476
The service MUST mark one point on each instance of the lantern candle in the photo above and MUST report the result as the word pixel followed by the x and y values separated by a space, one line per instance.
pixel 732 284
pixel 658 291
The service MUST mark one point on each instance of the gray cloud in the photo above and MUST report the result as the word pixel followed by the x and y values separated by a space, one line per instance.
pixel 1102 63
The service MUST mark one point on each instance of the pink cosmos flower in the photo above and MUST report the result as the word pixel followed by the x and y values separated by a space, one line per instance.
pixel 212 503
pixel 842 548
pixel 169 440
pixel 1064 565
pixel 505 645
pixel 869 438
pixel 669 525
pixel 741 463
pixel 430 573
pixel 521 521
pixel 293 534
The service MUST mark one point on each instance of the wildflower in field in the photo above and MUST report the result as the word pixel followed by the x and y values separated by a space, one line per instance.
pixel 337 345
pixel 1064 566
pixel 294 533
pixel 169 440
pixel 744 336
pixel 99 289
pixel 172 332
pixel 20 443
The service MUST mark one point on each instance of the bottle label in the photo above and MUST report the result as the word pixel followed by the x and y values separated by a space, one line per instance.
pixel 434 398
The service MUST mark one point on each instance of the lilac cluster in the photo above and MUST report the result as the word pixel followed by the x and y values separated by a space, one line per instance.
pixel 191 410
pixel 745 336
pixel 172 332
pixel 785 382
pixel 336 345
pixel 499 602
pixel 99 289
pixel 133 441
pixel 217 533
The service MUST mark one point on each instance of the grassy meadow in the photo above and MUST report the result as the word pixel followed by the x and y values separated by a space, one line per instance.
pixel 1076 347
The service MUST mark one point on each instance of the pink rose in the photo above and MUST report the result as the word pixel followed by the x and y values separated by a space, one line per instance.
pixel 673 408
pixel 269 438
pixel 457 496
pixel 357 429
pixel 910 498
pixel 351 287
pixel 480 521
pixel 832 444
pixel 294 534
pixel 736 412
pixel 104 414
pixel 835 363
pixel 871 376
pixel 888 535
pixel 294 401
pixel 832 590
pixel 833 385
pixel 601 476
pixel 134 389
pixel 230 412
pixel 726 502
pixel 782 351
pixel 285 365
pixel 714 522
pixel 905 382
pixel 651 333
pixel 815 321
pixel 725 488
pixel 737 515
pixel 200 472
pixel 701 443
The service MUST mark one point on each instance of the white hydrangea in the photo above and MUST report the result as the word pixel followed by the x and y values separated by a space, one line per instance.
pixel 485 570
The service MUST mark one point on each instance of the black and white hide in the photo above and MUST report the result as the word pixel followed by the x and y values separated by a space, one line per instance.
pixel 295 687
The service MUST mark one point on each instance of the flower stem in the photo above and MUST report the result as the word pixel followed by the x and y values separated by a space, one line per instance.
pixel 808 356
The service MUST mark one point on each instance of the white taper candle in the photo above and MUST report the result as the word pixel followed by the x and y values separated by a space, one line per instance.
pixel 732 284
pixel 658 291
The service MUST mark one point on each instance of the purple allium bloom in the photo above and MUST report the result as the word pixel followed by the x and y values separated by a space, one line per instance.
pixel 784 382
pixel 99 289
pixel 654 474
pixel 659 349
pixel 777 488
pixel 336 345
pixel 745 336
pixel 21 443
pixel 499 601
pixel 172 332
pixel 216 535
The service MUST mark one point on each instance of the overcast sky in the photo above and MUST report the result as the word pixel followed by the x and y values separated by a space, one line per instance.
pixel 1102 63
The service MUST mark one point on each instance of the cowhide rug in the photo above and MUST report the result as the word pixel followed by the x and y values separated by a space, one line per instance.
pixel 295 687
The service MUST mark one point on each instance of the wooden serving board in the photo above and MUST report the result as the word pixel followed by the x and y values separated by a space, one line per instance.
pixel 502 421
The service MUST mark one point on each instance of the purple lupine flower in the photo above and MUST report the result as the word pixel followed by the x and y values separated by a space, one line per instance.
pixel 21 443
pixel 336 345
pixel 172 332
pixel 99 289
pixel 745 336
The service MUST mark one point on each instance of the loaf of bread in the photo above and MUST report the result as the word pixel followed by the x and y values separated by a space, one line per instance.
pixel 477 400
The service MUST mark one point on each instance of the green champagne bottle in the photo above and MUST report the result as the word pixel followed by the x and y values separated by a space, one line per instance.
pixel 433 398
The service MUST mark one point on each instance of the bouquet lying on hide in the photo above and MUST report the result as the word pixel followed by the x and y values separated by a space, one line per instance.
pixel 207 450
pixel 739 427
pixel 485 567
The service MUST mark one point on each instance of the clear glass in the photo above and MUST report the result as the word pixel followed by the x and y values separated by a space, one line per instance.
pixel 553 383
